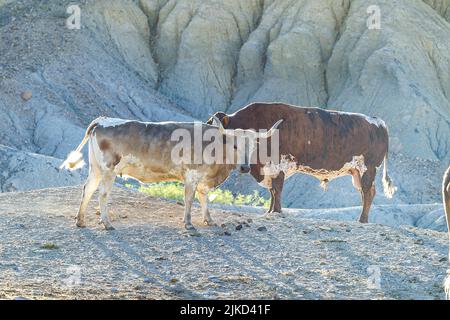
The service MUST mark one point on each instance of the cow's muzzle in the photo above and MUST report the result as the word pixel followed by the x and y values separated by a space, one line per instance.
pixel 244 168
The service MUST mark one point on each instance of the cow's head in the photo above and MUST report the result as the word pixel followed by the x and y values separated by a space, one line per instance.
pixel 244 141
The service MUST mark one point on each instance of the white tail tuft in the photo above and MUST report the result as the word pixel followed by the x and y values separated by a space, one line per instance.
pixel 74 161
pixel 388 186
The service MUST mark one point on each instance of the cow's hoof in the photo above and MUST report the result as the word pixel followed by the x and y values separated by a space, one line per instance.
pixel 81 225
pixel 191 231
pixel 190 227
pixel 210 223
pixel 363 220
pixel 108 225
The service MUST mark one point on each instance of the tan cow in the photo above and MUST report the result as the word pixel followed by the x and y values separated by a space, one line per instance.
pixel 144 151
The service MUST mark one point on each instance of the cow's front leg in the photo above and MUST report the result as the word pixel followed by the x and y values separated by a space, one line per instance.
pixel 105 190
pixel 203 198
pixel 89 188
pixel 272 201
pixel 189 193
pixel 277 189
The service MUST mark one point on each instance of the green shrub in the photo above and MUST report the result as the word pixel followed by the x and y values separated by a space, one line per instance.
pixel 175 191
pixel 49 246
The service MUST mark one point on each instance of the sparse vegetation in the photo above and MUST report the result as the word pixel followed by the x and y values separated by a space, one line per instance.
pixel 175 191
pixel 49 246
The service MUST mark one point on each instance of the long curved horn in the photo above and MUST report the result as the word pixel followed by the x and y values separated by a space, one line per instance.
pixel 219 124
pixel 269 133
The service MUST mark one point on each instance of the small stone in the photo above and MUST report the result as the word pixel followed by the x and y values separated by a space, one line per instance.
pixel 180 203
pixel 249 220
pixel 173 280
pixel 213 279
pixel 262 228
pixel 114 290
pixel 226 233
pixel 419 242
pixel 161 258
pixel 239 227
pixel 147 280
pixel 325 228
pixel 26 95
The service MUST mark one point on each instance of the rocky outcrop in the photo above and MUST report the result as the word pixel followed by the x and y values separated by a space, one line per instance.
pixel 26 171
pixel 221 55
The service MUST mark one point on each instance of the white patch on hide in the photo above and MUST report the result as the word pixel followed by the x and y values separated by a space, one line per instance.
pixel 289 166
pixel 193 177
pixel 323 174
pixel 112 122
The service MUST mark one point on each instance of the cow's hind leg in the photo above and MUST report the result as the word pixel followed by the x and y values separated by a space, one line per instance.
pixel 106 185
pixel 367 193
pixel 189 194
pixel 89 188
pixel 203 198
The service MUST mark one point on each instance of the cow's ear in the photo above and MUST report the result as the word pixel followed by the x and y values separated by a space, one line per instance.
pixel 222 117
pixel 225 121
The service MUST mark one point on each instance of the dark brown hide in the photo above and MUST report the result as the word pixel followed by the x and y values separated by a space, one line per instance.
pixel 318 140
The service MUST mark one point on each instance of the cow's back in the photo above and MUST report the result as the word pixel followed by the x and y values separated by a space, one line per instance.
pixel 318 138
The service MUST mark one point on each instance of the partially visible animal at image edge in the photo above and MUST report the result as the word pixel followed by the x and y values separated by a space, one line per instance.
pixel 322 143
pixel 446 200
pixel 143 150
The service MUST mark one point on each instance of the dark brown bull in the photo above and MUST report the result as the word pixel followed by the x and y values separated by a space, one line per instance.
pixel 325 144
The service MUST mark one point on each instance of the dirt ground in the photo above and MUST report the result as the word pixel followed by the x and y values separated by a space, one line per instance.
pixel 247 256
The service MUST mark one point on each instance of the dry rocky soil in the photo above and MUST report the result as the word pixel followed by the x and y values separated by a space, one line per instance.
pixel 248 255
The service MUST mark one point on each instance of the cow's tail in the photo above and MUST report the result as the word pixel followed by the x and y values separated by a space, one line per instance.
pixel 388 185
pixel 75 160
